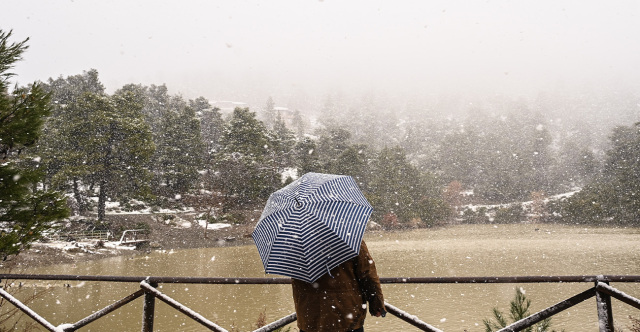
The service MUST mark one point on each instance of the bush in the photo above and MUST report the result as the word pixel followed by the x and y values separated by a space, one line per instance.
pixel 519 309
pixel 508 215
pixel 235 218
pixel 475 217
pixel 144 226
pixel 635 324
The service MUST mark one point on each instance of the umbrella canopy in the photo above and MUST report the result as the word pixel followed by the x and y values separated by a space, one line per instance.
pixel 311 226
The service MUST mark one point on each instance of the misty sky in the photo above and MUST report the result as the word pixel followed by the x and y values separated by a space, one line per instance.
pixel 230 50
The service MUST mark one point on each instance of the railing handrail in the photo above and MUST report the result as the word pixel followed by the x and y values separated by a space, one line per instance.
pixel 601 290
pixel 384 280
pixel 85 235
pixel 130 231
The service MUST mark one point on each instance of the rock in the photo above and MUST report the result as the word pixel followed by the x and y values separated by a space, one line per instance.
pixel 75 250
pixel 154 245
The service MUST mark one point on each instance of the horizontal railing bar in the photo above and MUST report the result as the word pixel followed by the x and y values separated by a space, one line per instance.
pixel 178 306
pixel 411 319
pixel 397 280
pixel 282 322
pixel 630 300
pixel 29 312
pixel 137 279
pixel 105 311
pixel 550 311
pixel 509 280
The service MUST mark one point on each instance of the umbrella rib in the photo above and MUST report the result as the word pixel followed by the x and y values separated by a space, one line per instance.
pixel 357 198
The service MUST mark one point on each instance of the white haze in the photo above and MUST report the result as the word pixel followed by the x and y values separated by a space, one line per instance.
pixel 249 50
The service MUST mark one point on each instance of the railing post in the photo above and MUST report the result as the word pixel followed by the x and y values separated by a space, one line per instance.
pixel 605 314
pixel 149 309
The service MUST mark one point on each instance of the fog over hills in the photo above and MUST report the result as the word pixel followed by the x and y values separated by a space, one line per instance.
pixel 412 55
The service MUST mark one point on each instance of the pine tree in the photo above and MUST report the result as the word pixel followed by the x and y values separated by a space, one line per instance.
pixel 399 189
pixel 61 146
pixel 103 143
pixel 623 170
pixel 269 113
pixel 176 129
pixel 612 198
pixel 180 152
pixel 211 126
pixel 26 212
pixel 298 124
pixel 332 143
pixel 247 173
pixel 245 135
pixel 518 309
pixel 282 142
pixel 306 156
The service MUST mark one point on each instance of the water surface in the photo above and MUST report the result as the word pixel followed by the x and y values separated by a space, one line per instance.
pixel 464 250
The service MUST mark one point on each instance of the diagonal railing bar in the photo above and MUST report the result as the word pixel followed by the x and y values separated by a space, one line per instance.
pixel 103 312
pixel 282 322
pixel 630 300
pixel 550 311
pixel 28 311
pixel 411 319
pixel 183 309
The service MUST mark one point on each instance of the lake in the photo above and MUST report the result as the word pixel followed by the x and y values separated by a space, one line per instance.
pixel 461 250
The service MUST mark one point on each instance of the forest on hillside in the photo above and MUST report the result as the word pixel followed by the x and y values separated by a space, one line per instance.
pixel 142 143
pixel 68 145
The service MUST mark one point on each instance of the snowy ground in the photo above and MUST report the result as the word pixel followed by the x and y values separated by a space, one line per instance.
pixel 178 220
pixel 86 246
pixel 475 207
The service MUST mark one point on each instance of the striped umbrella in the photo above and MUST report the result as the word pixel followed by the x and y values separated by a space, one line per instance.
pixel 311 226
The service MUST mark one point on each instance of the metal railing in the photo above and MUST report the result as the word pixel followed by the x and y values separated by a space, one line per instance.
pixel 131 236
pixel 84 235
pixel 601 290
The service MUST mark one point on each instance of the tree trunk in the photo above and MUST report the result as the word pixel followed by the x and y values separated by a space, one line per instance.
pixel 102 200
pixel 82 206
pixel 206 223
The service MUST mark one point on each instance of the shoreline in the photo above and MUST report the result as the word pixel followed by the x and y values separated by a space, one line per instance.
pixel 164 236
pixel 184 234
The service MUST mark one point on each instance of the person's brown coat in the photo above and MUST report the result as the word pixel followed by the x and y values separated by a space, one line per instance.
pixel 337 302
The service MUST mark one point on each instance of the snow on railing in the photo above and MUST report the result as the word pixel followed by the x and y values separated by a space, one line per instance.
pixel 84 235
pixel 601 290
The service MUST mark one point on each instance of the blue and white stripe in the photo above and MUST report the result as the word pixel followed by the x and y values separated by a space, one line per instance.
pixel 311 226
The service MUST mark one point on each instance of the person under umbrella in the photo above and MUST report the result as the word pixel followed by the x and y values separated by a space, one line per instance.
pixel 311 231
pixel 337 301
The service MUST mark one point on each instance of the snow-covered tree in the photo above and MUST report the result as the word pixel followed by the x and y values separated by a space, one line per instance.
pixel 105 144
pixel 269 115
pixel 306 156
pixel 59 147
pixel 211 126
pixel 615 197
pixel 26 212
pixel 176 130
pixel 180 152
pixel 245 168
pixel 282 143
pixel 400 190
